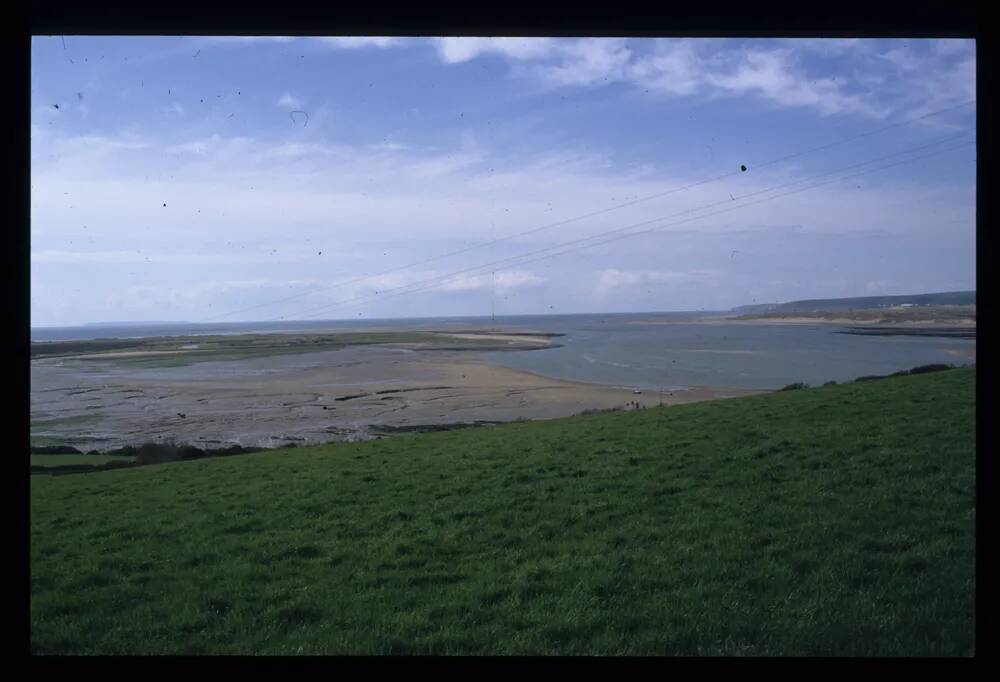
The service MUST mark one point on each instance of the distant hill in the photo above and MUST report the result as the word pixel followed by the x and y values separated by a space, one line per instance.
pixel 860 303
pixel 151 323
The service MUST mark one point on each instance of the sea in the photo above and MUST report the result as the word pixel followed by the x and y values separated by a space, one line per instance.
pixel 646 351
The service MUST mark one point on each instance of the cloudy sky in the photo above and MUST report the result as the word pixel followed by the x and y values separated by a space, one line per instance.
pixel 228 179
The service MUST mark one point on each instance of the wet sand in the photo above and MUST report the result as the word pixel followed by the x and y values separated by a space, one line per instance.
pixel 344 394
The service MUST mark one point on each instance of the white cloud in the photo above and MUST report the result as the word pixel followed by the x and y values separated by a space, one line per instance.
pixel 674 68
pixel 771 75
pixel 456 50
pixel 612 279
pixel 587 62
pixel 505 281
pixel 235 40
pixel 777 72
pixel 349 42
pixel 289 101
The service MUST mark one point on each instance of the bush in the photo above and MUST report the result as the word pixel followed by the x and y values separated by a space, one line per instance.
pixel 924 369
pixel 798 385
pixel 232 450
pixel 871 377
pixel 190 452
pixel 830 383
pixel 167 451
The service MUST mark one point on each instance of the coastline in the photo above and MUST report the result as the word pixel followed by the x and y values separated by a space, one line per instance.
pixel 839 322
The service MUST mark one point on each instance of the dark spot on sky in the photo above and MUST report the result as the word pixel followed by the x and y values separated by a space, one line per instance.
pixel 197 53
pixel 743 168
pixel 164 205
pixel 56 106
pixel 79 96
pixel 302 116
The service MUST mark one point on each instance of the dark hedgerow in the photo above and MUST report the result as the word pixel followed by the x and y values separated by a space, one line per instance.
pixel 54 450
pixel 924 369
pixel 798 385
pixel 920 369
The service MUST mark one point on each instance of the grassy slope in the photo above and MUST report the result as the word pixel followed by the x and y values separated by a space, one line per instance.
pixel 837 520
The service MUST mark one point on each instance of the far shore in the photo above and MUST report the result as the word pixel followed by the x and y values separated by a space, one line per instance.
pixel 838 321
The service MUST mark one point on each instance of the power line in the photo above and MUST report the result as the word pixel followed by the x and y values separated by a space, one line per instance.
pixel 592 214
pixel 698 217
pixel 433 281
pixel 439 278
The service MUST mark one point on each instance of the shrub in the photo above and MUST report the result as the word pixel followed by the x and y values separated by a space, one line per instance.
pixel 232 450
pixel 830 383
pixel 167 451
pixel 923 369
pixel 798 385
pixel 871 377
pixel 190 452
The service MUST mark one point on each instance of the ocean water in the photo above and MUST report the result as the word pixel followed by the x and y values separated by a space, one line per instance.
pixel 651 351
pixel 626 351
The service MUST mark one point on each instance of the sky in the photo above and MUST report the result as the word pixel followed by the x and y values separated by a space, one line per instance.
pixel 224 179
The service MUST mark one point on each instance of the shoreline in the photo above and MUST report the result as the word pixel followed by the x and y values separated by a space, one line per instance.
pixel 840 322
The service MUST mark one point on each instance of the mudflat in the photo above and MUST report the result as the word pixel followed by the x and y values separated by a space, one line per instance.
pixel 349 393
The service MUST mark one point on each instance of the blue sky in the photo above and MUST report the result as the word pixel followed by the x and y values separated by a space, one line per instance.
pixel 316 178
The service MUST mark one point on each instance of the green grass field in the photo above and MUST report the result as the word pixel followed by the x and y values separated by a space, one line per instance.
pixel 828 521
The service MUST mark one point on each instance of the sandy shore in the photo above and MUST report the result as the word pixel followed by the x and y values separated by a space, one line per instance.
pixel 341 394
